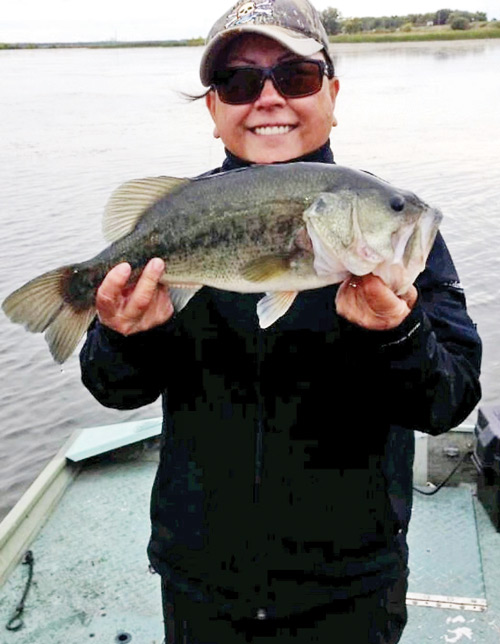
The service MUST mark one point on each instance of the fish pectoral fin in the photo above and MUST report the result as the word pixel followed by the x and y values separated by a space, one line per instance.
pixel 180 295
pixel 265 268
pixel 273 306
pixel 130 201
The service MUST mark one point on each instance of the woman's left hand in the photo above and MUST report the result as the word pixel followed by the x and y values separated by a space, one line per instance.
pixel 369 303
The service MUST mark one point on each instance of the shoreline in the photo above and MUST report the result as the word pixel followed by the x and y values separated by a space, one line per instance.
pixel 359 38
pixel 418 36
pixel 111 44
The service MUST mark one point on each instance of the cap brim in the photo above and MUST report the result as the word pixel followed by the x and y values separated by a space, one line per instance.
pixel 296 42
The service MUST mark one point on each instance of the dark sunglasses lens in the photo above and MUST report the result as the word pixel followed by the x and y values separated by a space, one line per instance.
pixel 237 86
pixel 240 85
pixel 297 79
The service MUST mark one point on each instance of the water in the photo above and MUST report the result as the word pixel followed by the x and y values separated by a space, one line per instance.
pixel 76 123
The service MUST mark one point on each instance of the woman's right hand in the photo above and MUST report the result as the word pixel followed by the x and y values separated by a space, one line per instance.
pixel 143 305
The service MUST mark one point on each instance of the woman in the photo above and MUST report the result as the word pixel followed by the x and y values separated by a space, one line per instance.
pixel 283 494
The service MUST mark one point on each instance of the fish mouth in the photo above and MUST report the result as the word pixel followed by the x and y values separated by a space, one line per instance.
pixel 272 130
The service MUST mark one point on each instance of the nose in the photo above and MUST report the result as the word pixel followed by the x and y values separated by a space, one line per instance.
pixel 269 96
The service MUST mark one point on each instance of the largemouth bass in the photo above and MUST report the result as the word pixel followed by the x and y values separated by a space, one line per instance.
pixel 271 229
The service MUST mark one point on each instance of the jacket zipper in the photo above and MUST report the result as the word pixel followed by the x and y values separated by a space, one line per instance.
pixel 259 428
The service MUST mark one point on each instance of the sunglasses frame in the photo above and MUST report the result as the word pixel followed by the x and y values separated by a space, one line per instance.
pixel 324 69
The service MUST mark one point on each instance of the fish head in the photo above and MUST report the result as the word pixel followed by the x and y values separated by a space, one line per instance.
pixel 412 246
pixel 372 228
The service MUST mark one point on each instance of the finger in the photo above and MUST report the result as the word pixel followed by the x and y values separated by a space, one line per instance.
pixel 383 302
pixel 410 297
pixel 344 290
pixel 346 300
pixel 368 302
pixel 164 306
pixel 112 287
pixel 146 287
pixel 377 294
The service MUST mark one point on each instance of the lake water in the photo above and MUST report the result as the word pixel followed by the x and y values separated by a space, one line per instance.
pixel 76 123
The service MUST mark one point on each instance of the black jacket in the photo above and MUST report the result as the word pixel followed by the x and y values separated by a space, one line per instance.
pixel 286 455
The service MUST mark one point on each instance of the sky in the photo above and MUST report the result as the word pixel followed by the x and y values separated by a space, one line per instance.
pixel 91 20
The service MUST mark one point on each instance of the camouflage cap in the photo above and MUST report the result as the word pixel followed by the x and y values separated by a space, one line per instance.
pixel 293 23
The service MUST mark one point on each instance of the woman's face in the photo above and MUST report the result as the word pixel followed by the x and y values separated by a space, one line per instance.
pixel 272 128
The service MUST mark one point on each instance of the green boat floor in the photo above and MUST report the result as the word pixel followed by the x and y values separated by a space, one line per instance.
pixel 91 580
pixel 92 583
pixel 443 542
pixel 454 551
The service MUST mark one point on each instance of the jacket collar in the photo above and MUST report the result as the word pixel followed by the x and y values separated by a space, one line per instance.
pixel 323 154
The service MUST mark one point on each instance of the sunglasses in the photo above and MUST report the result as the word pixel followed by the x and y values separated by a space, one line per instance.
pixel 292 79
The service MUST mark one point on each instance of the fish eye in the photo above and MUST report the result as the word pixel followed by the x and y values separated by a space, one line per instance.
pixel 397 203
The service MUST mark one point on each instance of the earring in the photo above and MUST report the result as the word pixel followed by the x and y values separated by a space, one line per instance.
pixel 334 121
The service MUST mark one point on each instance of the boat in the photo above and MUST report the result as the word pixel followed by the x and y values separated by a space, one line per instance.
pixel 73 564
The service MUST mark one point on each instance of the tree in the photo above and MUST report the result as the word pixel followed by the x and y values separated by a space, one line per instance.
pixel 353 26
pixel 414 18
pixel 442 16
pixel 331 20
pixel 459 22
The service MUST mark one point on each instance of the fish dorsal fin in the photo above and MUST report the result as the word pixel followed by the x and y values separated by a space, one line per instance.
pixel 273 306
pixel 130 201
pixel 265 268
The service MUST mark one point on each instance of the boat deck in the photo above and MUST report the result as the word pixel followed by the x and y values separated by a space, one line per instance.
pixel 91 581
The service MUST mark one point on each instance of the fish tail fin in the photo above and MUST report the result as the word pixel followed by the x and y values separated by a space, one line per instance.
pixel 55 303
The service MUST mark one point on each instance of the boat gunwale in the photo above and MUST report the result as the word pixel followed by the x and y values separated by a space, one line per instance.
pixel 21 525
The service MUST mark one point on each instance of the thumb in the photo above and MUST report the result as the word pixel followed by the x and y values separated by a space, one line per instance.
pixel 410 297
pixel 380 299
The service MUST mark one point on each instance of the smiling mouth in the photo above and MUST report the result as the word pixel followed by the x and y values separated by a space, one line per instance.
pixel 272 130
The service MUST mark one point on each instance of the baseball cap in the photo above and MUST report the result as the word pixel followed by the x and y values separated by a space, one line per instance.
pixel 293 23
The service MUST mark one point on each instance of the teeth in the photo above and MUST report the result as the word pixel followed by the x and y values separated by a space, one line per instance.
pixel 272 130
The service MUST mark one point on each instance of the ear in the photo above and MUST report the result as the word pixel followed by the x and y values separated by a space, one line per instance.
pixel 211 102
pixel 334 87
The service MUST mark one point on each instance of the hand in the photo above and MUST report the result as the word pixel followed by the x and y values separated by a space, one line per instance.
pixel 130 308
pixel 368 302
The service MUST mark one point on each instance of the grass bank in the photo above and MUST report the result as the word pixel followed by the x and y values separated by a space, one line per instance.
pixel 484 30
pixel 488 30
pixel 193 42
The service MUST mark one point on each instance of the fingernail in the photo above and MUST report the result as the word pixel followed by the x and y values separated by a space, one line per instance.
pixel 123 268
pixel 156 264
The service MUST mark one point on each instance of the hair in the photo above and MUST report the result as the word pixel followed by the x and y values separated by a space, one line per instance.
pixel 196 97
pixel 330 67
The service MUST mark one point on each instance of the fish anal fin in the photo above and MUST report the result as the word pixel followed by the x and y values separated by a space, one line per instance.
pixel 273 306
pixel 130 201
pixel 265 268
pixel 180 295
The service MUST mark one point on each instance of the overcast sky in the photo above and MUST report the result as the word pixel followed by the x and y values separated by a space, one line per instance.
pixel 87 20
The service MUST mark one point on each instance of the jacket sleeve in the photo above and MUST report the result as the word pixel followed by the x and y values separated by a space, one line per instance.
pixel 125 372
pixel 430 364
